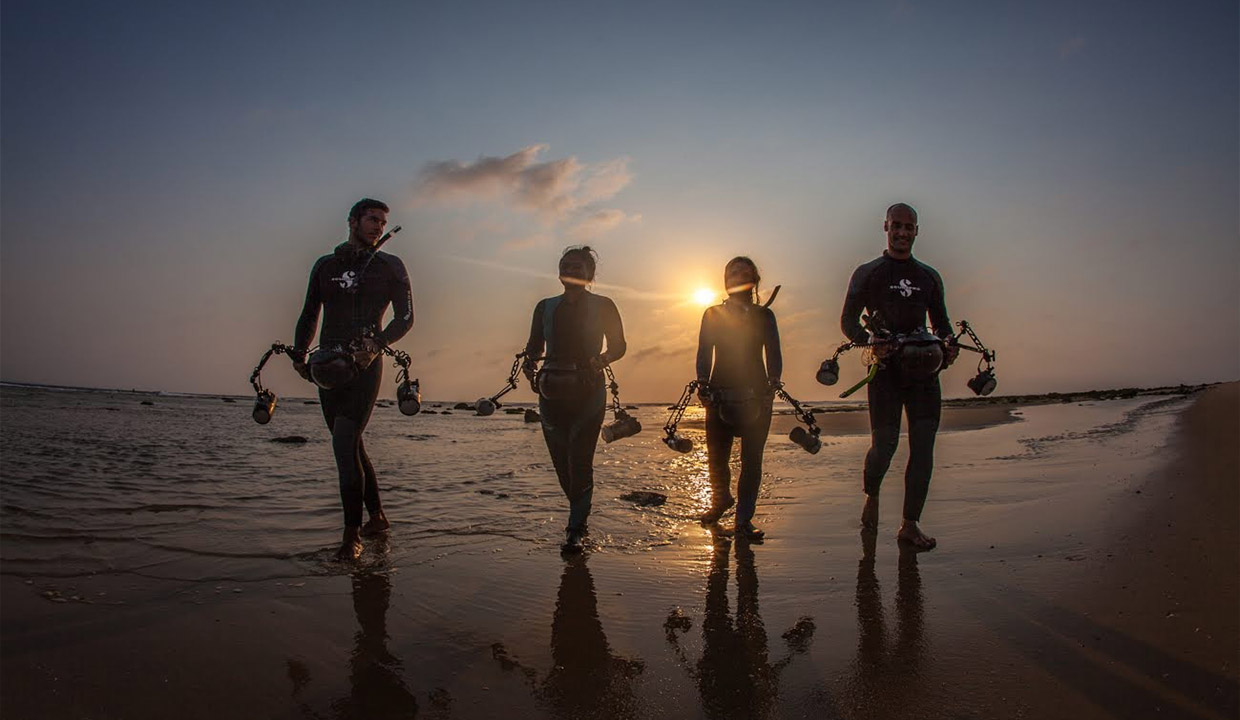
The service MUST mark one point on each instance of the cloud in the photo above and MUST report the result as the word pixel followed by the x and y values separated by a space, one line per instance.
pixel 599 222
pixel 554 189
pixel 1071 47
pixel 604 181
pixel 796 318
pixel 525 243
pixel 661 352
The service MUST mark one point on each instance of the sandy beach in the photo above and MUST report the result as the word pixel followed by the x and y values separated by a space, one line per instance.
pixel 171 560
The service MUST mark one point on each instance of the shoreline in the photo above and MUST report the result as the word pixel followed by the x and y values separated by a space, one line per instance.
pixel 820 406
pixel 1048 595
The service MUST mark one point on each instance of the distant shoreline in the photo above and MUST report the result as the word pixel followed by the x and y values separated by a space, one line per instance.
pixel 819 406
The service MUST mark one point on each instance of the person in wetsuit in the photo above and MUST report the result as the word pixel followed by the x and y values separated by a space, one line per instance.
pixel 899 292
pixel 572 392
pixel 733 338
pixel 354 286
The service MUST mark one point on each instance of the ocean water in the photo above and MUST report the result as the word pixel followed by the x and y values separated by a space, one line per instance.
pixel 98 482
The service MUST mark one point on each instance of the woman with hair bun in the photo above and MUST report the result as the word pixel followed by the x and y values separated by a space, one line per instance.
pixel 738 391
pixel 572 392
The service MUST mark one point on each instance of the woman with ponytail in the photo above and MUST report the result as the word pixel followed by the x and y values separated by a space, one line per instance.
pixel 738 391
pixel 571 328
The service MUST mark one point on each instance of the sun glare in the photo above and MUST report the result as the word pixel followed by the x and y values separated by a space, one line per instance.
pixel 704 296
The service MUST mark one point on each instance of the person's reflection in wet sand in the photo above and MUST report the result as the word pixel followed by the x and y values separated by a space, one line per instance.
pixel 734 675
pixel 376 689
pixel 886 677
pixel 587 680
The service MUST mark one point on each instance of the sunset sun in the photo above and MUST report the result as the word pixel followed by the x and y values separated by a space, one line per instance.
pixel 704 296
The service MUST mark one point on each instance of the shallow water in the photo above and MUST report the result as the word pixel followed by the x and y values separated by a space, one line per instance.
pixel 98 482
pixel 180 529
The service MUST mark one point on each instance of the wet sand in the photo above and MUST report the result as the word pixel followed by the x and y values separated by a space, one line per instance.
pixel 857 422
pixel 1087 568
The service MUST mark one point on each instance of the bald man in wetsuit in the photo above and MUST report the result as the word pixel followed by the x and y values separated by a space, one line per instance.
pixel 899 292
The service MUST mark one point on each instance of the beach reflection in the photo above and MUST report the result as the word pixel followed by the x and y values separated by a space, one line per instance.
pixel 376 687
pixel 735 675
pixel 886 674
pixel 587 680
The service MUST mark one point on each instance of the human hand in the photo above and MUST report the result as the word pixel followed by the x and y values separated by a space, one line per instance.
pixel 703 391
pixel 950 353
pixel 370 349
pixel 598 362
pixel 302 370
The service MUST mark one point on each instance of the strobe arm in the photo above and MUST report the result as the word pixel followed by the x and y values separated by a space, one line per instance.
pixel 984 383
pixel 671 438
pixel 988 355
pixel 523 361
pixel 807 437
pixel 277 348
pixel 265 400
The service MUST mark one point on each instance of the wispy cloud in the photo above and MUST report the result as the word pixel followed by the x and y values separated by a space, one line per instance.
pixel 553 188
pixel 525 243
pixel 599 222
pixel 662 352
pixel 564 194
pixel 1071 47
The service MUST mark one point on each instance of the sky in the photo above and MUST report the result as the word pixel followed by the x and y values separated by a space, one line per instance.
pixel 170 171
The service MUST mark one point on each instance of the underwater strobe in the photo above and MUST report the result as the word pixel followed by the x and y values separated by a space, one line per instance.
pixel 623 424
pixel 408 392
pixel 984 382
pixel 807 437
pixel 265 402
pixel 523 362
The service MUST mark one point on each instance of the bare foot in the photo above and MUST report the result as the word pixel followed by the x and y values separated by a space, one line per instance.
pixel 748 531
pixel 716 511
pixel 911 533
pixel 350 545
pixel 377 525
pixel 869 513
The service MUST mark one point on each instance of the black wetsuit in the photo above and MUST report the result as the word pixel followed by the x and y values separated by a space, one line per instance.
pixel 734 335
pixel 573 334
pixel 899 295
pixel 354 290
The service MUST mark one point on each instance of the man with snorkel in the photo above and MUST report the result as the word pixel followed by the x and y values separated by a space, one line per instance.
pixel 354 286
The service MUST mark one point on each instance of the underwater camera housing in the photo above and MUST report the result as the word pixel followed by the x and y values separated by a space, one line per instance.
pixel 330 368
